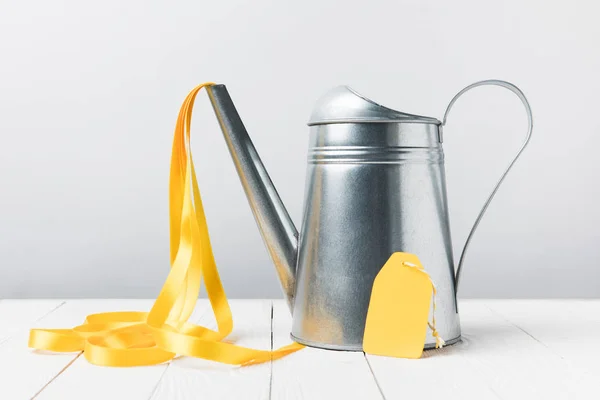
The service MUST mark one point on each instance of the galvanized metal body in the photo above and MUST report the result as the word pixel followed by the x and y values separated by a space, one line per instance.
pixel 372 189
pixel 375 185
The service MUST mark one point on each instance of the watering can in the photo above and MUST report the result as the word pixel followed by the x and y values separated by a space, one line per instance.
pixel 375 185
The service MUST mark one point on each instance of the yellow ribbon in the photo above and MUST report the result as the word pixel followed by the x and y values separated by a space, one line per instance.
pixel 131 338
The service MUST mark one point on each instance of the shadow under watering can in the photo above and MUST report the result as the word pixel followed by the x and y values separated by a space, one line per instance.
pixel 375 186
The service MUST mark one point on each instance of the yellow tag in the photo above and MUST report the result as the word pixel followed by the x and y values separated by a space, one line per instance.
pixel 397 317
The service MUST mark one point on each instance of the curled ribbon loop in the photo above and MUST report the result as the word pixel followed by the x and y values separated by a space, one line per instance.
pixel 131 338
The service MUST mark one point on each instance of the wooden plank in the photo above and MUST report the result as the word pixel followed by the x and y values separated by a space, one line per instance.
pixel 495 360
pixel 191 378
pixel 317 374
pixel 569 328
pixel 17 315
pixel 24 371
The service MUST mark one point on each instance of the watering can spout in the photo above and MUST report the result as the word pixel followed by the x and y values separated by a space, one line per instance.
pixel 276 226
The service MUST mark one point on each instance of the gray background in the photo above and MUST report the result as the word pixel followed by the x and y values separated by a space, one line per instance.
pixel 89 93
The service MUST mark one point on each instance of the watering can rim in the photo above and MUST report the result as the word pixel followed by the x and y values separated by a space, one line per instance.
pixel 342 104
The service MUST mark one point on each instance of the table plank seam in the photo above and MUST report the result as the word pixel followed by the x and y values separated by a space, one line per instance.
pixel 57 375
pixel 525 332
pixel 155 388
pixel 374 376
pixel 475 365
pixel 163 374
pixel 10 336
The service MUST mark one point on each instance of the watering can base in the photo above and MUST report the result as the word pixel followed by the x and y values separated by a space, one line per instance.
pixel 352 347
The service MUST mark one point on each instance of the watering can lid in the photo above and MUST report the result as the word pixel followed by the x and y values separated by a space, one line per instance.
pixel 344 105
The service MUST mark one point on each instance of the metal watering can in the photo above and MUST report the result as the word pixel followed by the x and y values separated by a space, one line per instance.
pixel 375 185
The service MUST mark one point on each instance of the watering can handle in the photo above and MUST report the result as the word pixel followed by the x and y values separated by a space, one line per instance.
pixel 521 96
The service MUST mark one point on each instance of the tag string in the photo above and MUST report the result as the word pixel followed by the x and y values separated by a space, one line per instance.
pixel 133 338
pixel 439 342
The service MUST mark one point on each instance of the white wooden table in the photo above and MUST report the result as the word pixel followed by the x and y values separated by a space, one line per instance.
pixel 511 349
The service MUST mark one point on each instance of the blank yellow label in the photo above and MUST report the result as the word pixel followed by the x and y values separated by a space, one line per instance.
pixel 398 310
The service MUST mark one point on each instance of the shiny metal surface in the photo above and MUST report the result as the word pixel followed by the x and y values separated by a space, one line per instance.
pixel 276 226
pixel 343 104
pixel 372 189
pixel 523 99
pixel 375 185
